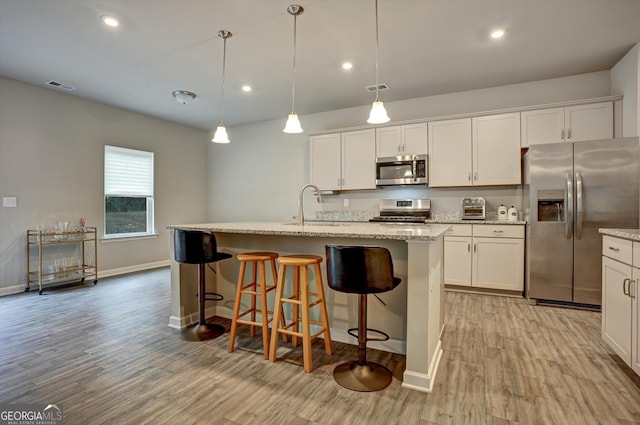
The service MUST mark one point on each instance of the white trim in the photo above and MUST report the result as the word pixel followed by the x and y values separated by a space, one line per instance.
pixel 478 114
pixel 420 381
pixel 10 290
pixel 108 239
pixel 132 269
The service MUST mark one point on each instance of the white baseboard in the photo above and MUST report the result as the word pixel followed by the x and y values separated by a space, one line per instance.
pixel 133 269
pixel 421 381
pixel 10 290
pixel 16 289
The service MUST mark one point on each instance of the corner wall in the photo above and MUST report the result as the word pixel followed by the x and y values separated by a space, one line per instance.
pixel 625 80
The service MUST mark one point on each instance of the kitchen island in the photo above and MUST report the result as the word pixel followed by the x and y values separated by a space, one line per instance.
pixel 414 312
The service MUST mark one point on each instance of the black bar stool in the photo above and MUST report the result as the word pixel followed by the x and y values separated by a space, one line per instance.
pixel 196 247
pixel 361 270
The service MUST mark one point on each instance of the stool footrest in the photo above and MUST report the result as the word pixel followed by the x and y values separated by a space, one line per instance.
pixel 214 296
pixel 251 323
pixel 354 333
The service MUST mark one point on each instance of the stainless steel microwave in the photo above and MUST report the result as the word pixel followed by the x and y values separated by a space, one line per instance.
pixel 401 170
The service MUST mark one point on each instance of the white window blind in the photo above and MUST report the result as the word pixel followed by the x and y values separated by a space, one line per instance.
pixel 127 172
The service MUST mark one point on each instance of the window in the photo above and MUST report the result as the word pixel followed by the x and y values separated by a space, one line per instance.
pixel 128 192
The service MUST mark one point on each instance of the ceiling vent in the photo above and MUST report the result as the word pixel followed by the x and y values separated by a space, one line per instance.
pixel 60 85
pixel 381 86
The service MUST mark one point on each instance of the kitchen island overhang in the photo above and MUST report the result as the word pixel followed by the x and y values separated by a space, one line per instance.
pixel 413 316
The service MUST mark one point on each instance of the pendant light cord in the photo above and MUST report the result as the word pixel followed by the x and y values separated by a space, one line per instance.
pixel 293 84
pixel 224 63
pixel 377 47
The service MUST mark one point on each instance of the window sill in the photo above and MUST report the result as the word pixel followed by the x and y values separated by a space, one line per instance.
pixel 107 239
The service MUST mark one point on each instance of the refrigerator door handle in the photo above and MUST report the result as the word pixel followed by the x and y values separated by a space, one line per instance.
pixel 568 201
pixel 579 208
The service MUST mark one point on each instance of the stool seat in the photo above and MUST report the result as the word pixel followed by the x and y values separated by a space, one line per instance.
pixel 256 288
pixel 301 304
pixel 361 270
pixel 197 247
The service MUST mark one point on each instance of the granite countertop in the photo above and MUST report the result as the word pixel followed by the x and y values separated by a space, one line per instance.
pixel 631 234
pixel 365 230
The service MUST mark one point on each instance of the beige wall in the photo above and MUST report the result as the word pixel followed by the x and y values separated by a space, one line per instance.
pixel 51 159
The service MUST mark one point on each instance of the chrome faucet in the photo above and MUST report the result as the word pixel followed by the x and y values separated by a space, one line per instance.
pixel 301 202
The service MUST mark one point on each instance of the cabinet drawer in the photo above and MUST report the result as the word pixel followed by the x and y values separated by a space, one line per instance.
pixel 636 254
pixel 459 230
pixel 618 249
pixel 499 230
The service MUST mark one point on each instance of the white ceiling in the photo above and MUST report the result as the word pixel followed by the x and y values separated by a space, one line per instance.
pixel 427 47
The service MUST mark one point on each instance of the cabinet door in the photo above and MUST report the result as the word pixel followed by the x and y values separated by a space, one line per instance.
pixel 496 149
pixel 389 141
pixel 589 122
pixel 616 308
pixel 457 260
pixel 450 153
pixel 414 139
pixel 325 161
pixel 635 321
pixel 542 126
pixel 498 263
pixel 359 159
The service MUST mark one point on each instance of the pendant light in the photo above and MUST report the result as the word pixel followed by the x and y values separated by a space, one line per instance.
pixel 293 123
pixel 221 132
pixel 378 114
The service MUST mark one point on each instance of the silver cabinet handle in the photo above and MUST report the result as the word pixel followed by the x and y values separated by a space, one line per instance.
pixel 475 176
pixel 614 249
pixel 469 178
pixel 562 134
pixel 498 231
pixel 475 247
pixel 568 133
pixel 469 247
pixel 624 286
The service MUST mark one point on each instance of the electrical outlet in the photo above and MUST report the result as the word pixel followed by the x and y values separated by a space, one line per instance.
pixel 346 202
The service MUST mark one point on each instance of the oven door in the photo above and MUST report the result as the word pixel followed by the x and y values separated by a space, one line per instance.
pixel 401 170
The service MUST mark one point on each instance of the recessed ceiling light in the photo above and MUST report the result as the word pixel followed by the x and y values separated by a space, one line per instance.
pixel 246 88
pixel 111 21
pixel 497 34
pixel 347 66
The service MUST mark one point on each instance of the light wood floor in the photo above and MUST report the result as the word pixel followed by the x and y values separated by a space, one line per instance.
pixel 107 354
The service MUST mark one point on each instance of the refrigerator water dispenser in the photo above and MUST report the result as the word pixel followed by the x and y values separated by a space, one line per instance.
pixel 551 205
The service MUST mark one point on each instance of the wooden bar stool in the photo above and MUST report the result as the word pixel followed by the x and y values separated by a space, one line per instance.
pixel 257 287
pixel 300 298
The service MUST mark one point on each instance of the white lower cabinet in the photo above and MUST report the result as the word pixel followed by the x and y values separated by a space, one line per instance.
pixel 620 301
pixel 485 256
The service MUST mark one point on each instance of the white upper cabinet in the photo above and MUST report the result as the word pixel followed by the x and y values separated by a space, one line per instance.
pixel 479 151
pixel 450 156
pixel 401 140
pixel 496 149
pixel 343 161
pixel 359 159
pixel 571 124
pixel 326 161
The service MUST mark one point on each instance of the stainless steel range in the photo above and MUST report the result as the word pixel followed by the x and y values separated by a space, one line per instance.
pixel 404 211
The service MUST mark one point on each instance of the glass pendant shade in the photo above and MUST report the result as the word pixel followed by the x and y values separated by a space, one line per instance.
pixel 221 135
pixel 378 114
pixel 293 124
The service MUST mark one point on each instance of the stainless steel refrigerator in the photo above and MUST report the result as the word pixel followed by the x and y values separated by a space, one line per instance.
pixel 571 190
